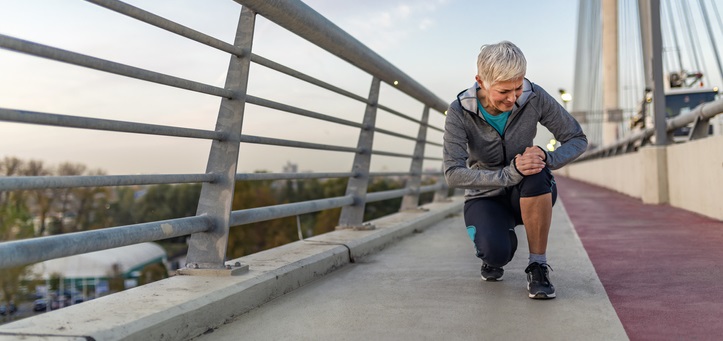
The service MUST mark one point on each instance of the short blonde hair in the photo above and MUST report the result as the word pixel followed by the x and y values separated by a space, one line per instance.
pixel 500 62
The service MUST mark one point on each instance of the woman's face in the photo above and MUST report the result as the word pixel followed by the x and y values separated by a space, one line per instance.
pixel 501 96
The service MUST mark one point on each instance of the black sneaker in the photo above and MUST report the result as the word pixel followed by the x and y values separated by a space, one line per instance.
pixel 538 282
pixel 492 273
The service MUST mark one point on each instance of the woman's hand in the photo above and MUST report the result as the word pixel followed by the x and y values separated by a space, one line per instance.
pixel 531 161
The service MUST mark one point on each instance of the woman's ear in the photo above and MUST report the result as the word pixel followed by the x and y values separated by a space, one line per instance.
pixel 479 81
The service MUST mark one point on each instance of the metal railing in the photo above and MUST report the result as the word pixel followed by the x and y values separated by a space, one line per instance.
pixel 209 229
pixel 700 118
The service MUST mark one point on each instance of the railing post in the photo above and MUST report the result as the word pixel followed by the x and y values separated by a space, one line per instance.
pixel 411 200
pixel 353 216
pixel 700 128
pixel 207 250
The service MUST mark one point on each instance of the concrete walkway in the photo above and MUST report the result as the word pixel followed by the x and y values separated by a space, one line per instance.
pixel 427 287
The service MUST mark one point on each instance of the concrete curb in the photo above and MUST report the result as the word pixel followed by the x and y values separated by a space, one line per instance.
pixel 183 307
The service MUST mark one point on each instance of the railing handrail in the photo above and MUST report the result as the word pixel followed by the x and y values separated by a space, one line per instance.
pixel 293 15
pixel 26 251
pixel 299 18
pixel 54 53
pixel 703 112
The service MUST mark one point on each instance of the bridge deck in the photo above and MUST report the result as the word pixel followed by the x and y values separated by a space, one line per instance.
pixel 428 287
pixel 646 272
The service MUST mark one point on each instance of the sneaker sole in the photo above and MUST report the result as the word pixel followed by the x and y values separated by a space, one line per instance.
pixel 540 295
pixel 491 279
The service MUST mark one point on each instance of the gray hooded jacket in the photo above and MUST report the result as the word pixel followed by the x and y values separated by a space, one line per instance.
pixel 479 160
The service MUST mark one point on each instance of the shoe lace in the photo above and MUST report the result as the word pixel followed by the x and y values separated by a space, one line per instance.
pixel 539 272
pixel 489 267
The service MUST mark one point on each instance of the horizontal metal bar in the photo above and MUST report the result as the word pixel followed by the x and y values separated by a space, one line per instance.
pixel 397 113
pixel 33 117
pixel 296 74
pixel 435 128
pixel 299 18
pixel 296 144
pixel 290 176
pixel 168 25
pixel 705 111
pixel 299 75
pixel 13 183
pixel 254 215
pixel 28 251
pixel 398 193
pixel 386 195
pixel 39 50
pixel 298 111
pixel 388 132
pixel 380 174
pixel 433 158
pixel 431 188
pixel 380 152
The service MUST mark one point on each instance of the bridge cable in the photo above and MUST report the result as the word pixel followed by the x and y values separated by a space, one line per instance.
pixel 637 61
pixel 683 18
pixel 624 83
pixel 706 20
pixel 693 36
pixel 717 14
pixel 674 34
pixel 668 31
pixel 720 25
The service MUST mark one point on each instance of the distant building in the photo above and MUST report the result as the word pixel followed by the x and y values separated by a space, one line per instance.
pixel 94 269
pixel 290 168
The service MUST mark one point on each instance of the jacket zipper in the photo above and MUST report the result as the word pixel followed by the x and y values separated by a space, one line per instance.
pixel 504 148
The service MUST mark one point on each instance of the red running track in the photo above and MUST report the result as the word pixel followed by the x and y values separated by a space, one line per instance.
pixel 661 266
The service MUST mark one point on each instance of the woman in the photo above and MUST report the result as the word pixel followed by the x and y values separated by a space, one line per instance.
pixel 488 151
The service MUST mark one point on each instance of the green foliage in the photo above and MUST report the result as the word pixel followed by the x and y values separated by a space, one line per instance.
pixel 15 223
pixel 381 208
pixel 122 210
pixel 251 238
pixel 77 209
pixel 152 272
pixel 161 202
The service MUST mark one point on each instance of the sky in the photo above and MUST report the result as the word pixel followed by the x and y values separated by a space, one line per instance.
pixel 433 41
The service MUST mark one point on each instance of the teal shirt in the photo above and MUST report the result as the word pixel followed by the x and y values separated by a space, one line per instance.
pixel 498 122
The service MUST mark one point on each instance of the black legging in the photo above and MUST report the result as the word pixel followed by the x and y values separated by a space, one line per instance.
pixel 491 221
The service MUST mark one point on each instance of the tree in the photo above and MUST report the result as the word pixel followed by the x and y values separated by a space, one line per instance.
pixel 152 272
pixel 255 237
pixel 161 202
pixel 382 208
pixel 327 220
pixel 121 211
pixel 11 166
pixel 92 209
pixel 41 200
pixel 15 223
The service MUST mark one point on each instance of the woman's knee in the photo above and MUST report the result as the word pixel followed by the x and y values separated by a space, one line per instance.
pixel 537 184
pixel 496 252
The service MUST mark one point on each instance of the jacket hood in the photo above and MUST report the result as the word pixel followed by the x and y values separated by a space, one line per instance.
pixel 468 98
